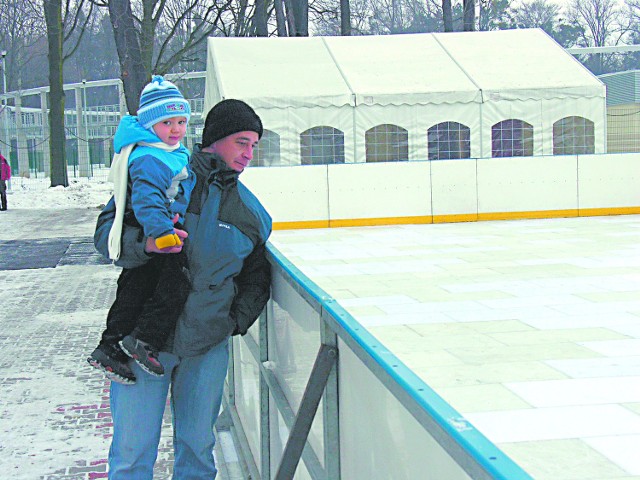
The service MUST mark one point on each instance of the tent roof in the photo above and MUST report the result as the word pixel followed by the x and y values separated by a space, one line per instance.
pixel 521 64
pixel 465 67
pixel 276 72
pixel 401 69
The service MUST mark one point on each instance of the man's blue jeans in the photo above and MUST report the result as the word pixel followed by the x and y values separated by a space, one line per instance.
pixel 196 394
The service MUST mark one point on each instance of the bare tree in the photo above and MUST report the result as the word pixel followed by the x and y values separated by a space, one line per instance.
pixel 298 17
pixel 345 18
pixel 339 17
pixel 61 22
pixel 23 37
pixel 631 61
pixel 447 16
pixel 260 19
pixel 281 19
pixel 469 12
pixel 157 35
pixel 537 14
pixel 602 23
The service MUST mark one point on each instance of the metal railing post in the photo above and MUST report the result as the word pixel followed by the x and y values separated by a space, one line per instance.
pixel 325 361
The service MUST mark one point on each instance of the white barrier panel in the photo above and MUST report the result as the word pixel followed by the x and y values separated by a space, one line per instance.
pixel 379 439
pixel 314 396
pixel 247 398
pixel 448 190
pixel 527 184
pixel 612 182
pixel 454 187
pixel 379 190
pixel 293 341
pixel 291 194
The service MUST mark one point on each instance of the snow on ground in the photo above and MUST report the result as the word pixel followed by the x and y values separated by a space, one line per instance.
pixel 79 194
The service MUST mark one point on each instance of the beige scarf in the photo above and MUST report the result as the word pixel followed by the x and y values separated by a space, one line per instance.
pixel 119 175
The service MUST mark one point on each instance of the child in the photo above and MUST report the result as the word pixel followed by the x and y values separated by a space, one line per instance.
pixel 152 187
pixel 5 174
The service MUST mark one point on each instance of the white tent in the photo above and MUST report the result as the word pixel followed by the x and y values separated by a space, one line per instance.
pixel 415 81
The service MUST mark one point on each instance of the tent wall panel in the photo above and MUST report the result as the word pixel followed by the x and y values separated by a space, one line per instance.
pixel 417 119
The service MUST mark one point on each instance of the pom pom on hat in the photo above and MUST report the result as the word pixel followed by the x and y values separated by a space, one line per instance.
pixel 161 100
pixel 228 117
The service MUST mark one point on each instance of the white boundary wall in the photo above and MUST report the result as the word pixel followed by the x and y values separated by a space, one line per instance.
pixel 448 190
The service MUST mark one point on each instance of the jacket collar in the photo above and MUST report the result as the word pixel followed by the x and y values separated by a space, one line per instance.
pixel 212 167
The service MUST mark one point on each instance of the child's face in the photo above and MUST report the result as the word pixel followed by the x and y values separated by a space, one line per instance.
pixel 172 130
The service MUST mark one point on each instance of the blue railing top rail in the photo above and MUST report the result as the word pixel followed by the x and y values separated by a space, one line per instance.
pixel 478 447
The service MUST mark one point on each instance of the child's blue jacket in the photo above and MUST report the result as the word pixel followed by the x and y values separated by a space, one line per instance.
pixel 160 182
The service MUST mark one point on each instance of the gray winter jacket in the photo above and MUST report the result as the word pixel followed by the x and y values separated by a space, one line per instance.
pixel 230 275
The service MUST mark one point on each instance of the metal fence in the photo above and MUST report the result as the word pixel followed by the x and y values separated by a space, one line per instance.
pixel 92 113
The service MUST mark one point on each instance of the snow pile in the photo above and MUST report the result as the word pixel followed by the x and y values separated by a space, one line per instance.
pixel 79 194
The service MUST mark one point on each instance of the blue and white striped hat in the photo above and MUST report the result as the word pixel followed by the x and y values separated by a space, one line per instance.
pixel 160 100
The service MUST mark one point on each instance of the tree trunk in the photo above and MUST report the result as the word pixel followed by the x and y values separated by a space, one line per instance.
pixel 281 21
pixel 469 8
pixel 292 28
pixel 345 18
pixel 57 140
pixel 447 16
pixel 260 18
pixel 301 17
pixel 132 72
pixel 146 37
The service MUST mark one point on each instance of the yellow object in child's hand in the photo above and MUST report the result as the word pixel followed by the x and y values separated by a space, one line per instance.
pixel 167 241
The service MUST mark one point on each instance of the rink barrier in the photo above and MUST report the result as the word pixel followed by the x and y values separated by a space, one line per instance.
pixel 447 191
pixel 311 394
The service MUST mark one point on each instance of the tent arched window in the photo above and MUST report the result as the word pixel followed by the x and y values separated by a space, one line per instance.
pixel 573 136
pixel 267 153
pixel 386 143
pixel 321 145
pixel 512 138
pixel 449 140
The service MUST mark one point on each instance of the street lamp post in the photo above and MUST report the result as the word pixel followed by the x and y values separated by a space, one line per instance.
pixel 85 116
pixel 5 109
pixel 5 112
pixel 4 74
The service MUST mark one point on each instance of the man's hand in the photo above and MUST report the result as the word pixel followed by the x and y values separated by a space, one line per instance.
pixel 177 239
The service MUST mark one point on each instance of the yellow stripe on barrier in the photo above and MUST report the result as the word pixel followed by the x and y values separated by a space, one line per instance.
pixel 373 222
pixel 598 212
pixel 456 218
pixel 527 215
pixel 305 224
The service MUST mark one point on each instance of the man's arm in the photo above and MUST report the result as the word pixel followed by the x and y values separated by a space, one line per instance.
pixel 254 288
pixel 132 253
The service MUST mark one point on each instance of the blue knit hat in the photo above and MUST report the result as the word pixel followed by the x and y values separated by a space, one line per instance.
pixel 161 100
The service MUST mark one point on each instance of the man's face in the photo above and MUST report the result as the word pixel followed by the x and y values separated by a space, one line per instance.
pixel 236 150
pixel 172 130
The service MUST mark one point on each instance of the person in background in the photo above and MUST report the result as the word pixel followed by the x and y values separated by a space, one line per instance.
pixel 230 285
pixel 152 188
pixel 5 174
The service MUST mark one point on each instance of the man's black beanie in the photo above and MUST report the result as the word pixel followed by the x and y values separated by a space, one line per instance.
pixel 228 117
